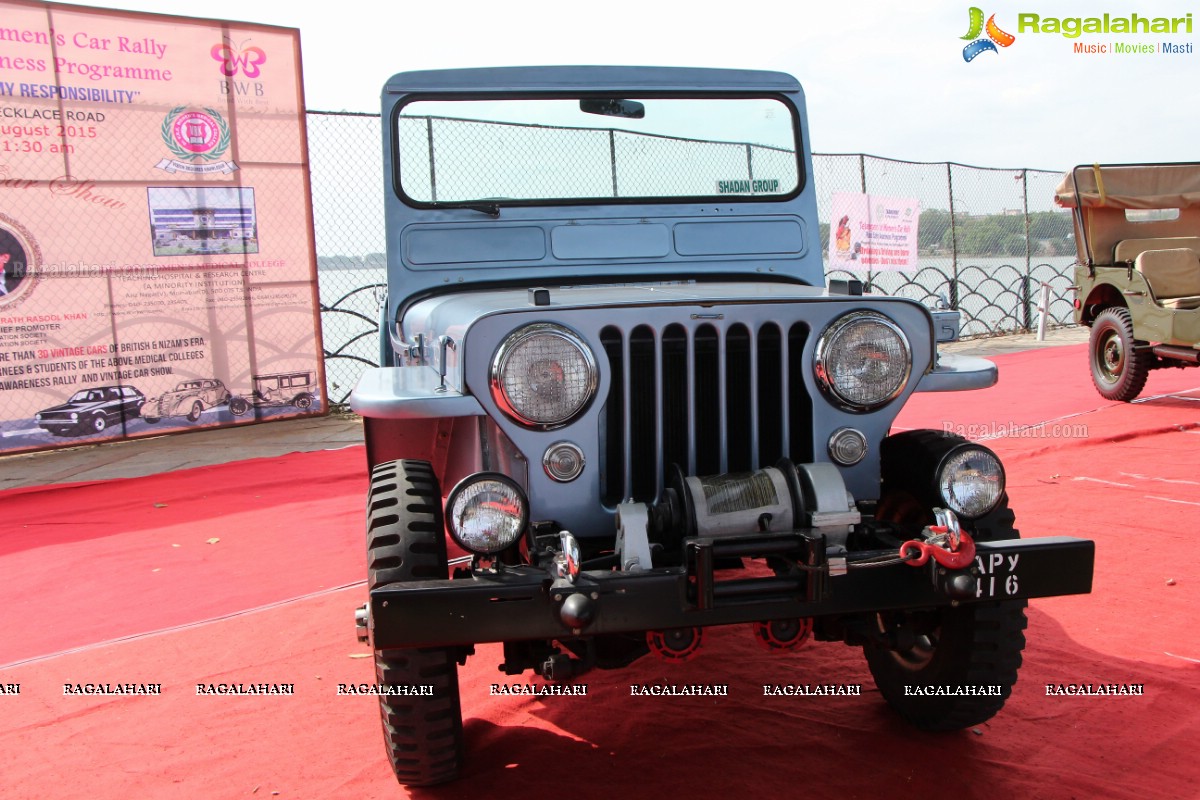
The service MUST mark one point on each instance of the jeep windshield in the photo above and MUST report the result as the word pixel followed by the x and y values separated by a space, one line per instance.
pixel 485 154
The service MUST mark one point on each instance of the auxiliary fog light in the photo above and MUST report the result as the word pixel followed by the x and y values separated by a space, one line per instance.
pixel 487 512
pixel 970 480
pixel 847 446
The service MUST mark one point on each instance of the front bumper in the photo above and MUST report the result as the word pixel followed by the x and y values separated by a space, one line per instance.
pixel 156 408
pixel 52 424
pixel 523 602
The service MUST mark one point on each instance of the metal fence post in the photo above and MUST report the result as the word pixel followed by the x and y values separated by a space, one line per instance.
pixel 953 242
pixel 432 168
pixel 612 157
pixel 1026 312
pixel 1028 243
pixel 862 183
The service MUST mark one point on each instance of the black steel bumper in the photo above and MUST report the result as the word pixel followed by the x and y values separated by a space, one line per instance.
pixel 521 603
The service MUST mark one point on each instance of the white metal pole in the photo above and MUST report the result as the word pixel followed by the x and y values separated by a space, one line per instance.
pixel 1043 307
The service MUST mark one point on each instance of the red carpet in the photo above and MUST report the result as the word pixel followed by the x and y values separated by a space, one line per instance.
pixel 89 562
pixel 1130 481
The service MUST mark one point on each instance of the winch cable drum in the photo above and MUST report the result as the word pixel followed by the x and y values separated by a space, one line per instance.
pixel 778 499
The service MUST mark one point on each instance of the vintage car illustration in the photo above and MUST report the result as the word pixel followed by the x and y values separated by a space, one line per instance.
pixel 615 378
pixel 297 389
pixel 1137 279
pixel 189 399
pixel 92 410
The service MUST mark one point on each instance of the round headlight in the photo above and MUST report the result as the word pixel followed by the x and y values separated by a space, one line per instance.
pixel 487 512
pixel 543 375
pixel 863 360
pixel 970 480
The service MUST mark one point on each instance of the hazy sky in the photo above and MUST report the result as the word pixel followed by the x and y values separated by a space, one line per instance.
pixel 884 78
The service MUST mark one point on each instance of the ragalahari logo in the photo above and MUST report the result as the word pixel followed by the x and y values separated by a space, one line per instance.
pixel 233 58
pixel 995 36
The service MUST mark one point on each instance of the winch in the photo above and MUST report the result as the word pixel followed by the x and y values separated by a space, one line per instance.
pixel 772 501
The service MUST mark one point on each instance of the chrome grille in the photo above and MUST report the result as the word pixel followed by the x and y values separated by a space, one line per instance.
pixel 706 394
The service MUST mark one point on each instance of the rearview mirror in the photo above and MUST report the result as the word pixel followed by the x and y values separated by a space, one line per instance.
pixel 612 107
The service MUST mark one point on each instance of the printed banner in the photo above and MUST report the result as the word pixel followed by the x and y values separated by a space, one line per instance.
pixel 155 226
pixel 872 232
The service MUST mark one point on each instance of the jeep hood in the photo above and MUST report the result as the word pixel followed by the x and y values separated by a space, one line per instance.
pixel 453 314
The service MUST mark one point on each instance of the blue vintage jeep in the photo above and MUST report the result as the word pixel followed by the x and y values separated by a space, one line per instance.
pixel 616 383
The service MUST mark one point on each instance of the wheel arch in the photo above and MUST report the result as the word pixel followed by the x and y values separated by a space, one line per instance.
pixel 1102 296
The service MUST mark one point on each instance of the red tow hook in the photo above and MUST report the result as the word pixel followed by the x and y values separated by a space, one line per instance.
pixel 958 553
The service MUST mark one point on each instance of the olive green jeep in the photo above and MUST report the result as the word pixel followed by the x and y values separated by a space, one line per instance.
pixel 1137 280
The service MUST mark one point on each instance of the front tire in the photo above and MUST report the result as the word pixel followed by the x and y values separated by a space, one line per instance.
pixel 194 414
pixel 406 541
pixel 1119 369
pixel 971 645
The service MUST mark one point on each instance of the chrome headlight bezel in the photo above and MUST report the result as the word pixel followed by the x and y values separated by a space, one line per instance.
pixel 955 461
pixel 483 481
pixel 500 387
pixel 563 452
pixel 826 372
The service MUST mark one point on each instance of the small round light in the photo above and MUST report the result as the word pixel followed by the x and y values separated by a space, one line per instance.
pixel 847 446
pixel 563 461
pixel 543 375
pixel 487 512
pixel 971 481
pixel 862 360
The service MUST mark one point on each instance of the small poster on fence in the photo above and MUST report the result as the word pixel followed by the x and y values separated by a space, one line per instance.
pixel 867 231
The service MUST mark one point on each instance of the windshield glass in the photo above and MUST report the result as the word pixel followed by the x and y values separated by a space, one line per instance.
pixel 492 151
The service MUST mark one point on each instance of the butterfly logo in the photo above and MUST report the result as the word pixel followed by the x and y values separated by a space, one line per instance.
pixel 995 36
pixel 232 58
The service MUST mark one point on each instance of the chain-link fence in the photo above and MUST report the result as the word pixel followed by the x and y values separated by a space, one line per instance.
pixel 988 238
pixel 346 160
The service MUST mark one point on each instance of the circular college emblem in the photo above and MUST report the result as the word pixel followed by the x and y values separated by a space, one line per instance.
pixel 195 134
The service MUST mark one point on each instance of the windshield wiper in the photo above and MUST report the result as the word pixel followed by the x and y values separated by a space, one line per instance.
pixel 484 207
pixel 491 209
